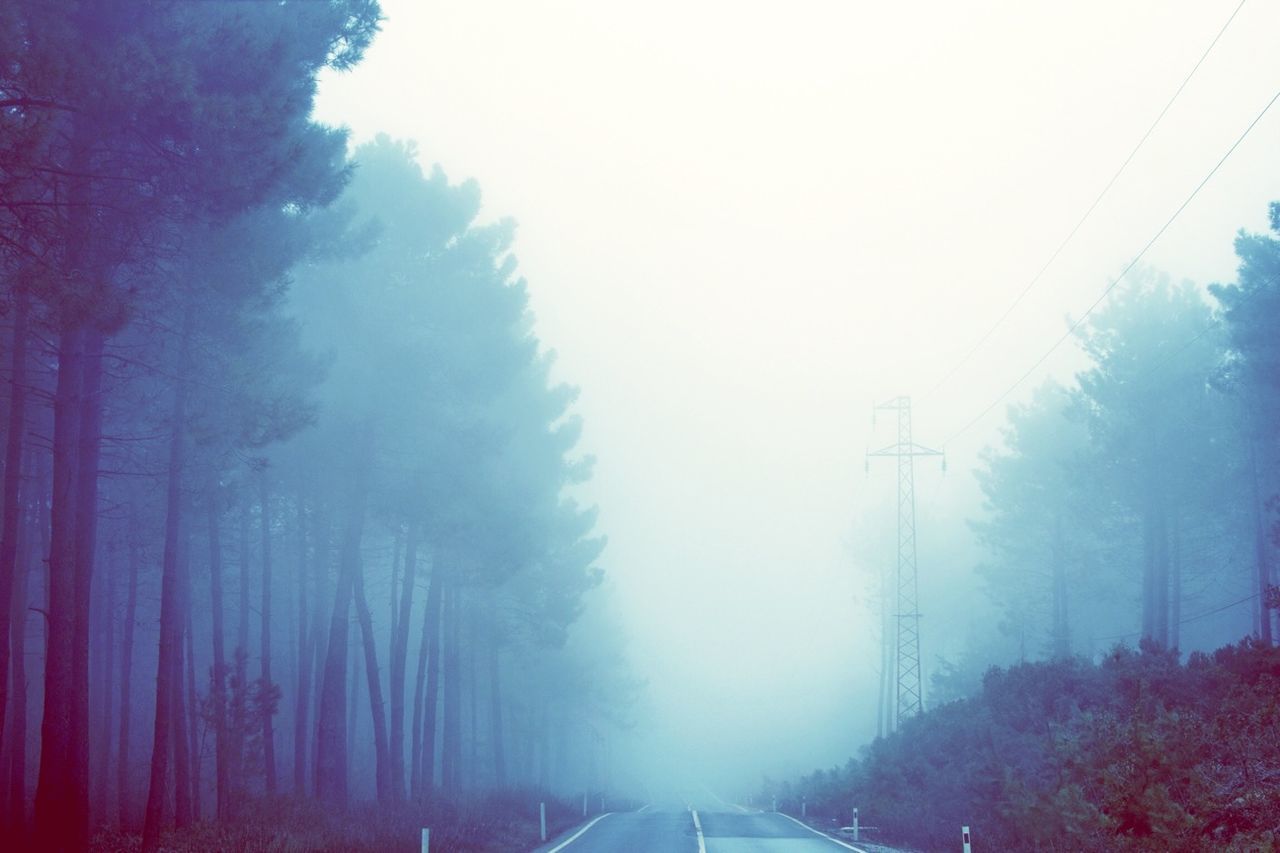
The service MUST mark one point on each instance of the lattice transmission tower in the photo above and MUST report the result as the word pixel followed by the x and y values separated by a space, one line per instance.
pixel 908 699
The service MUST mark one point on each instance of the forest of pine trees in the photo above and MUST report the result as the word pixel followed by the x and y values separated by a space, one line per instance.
pixel 287 482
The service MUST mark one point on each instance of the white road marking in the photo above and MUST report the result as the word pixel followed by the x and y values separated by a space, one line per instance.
pixel 642 808
pixel 697 826
pixel 815 832
pixel 578 834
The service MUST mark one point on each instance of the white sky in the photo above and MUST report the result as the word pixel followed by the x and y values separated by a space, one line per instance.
pixel 742 223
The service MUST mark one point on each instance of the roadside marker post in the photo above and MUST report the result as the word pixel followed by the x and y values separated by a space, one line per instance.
pixel 584 803
pixel 804 807
pixel 775 803
pixel 855 823
pixel 542 819
pixel 426 840
pixel 964 834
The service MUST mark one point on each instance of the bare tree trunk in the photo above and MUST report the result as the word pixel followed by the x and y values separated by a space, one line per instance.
pixel 218 679
pixel 12 483
pixel 126 675
pixel 1161 578
pixel 302 702
pixel 1261 559
pixel 184 813
pixel 1061 624
pixel 451 746
pixel 106 664
pixel 89 448
pixel 432 621
pixel 331 744
pixel 17 731
pixel 268 730
pixel 1148 575
pixel 471 776
pixel 59 813
pixel 376 706
pixel 399 654
pixel 242 626
pixel 193 708
pixel 170 631
pixel 320 617
pixel 495 709
pixel 397 543
pixel 1175 571
pixel 416 786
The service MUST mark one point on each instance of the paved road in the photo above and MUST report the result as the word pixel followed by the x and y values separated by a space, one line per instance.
pixel 671 828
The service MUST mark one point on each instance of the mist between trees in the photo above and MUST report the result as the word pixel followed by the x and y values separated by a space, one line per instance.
pixel 1125 697
pixel 288 487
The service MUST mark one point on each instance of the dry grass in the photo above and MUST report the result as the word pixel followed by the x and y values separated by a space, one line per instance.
pixel 498 821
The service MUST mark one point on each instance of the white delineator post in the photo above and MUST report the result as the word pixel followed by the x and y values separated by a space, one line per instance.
pixel 542 819
pixel 775 803
pixel 426 840
pixel 964 834
pixel 855 823
pixel 804 808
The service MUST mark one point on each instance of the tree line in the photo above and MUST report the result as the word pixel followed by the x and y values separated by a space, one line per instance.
pixel 278 432
pixel 1130 523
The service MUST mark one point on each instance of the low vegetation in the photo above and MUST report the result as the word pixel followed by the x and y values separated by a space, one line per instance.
pixel 1140 752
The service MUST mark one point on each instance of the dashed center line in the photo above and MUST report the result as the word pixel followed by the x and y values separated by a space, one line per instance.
pixel 697 827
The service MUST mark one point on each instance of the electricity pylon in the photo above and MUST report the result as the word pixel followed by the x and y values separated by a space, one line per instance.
pixel 909 694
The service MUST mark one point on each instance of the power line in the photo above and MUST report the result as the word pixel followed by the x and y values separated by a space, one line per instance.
pixel 1098 200
pixel 1189 619
pixel 1112 286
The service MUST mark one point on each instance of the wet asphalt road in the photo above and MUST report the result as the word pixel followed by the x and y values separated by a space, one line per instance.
pixel 671 828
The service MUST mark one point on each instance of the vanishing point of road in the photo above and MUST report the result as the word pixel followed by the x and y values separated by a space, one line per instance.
pixel 684 828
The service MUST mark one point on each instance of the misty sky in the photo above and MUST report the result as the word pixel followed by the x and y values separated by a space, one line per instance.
pixel 742 224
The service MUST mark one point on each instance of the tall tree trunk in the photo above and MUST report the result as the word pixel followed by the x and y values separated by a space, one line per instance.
pixel 218 678
pixel 495 708
pixel 416 787
pixel 184 812
pixel 89 448
pixel 193 708
pixel 471 768
pixel 393 587
pixel 268 730
pixel 1175 582
pixel 382 766
pixel 12 483
pixel 107 665
pixel 1261 558
pixel 242 626
pixel 302 702
pixel 59 813
pixel 126 675
pixel 452 744
pixel 17 731
pixel 1161 579
pixel 170 621
pixel 331 744
pixel 353 698
pixel 321 612
pixel 1061 622
pixel 1148 574
pixel 432 626
pixel 399 654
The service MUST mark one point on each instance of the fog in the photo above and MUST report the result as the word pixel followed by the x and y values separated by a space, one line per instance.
pixel 449 425
pixel 743 226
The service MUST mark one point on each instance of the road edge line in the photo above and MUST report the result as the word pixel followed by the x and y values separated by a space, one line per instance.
pixel 578 834
pixel 697 825
pixel 816 832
